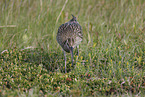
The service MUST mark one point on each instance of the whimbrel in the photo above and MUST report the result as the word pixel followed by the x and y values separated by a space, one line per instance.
pixel 69 36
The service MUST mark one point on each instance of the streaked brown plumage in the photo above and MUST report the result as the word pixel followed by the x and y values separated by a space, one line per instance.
pixel 69 36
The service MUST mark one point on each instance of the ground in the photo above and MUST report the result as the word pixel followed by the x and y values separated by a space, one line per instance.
pixel 112 54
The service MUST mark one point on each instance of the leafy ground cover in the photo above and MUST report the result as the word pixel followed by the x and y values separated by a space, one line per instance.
pixel 112 54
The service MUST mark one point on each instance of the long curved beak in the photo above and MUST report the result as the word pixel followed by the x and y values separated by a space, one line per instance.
pixel 71 51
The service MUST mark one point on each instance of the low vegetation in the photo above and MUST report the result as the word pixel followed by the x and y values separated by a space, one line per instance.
pixel 112 55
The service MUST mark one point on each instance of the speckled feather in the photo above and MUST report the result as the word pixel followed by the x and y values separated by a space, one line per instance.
pixel 69 34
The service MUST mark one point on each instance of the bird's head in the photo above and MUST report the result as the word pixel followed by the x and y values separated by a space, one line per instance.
pixel 73 19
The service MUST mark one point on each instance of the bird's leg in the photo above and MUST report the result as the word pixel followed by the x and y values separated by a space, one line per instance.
pixel 71 51
pixel 77 53
pixel 78 50
pixel 64 60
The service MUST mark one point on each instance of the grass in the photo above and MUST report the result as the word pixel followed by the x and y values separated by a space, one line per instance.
pixel 112 54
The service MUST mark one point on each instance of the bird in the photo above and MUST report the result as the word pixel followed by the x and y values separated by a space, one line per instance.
pixel 69 36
